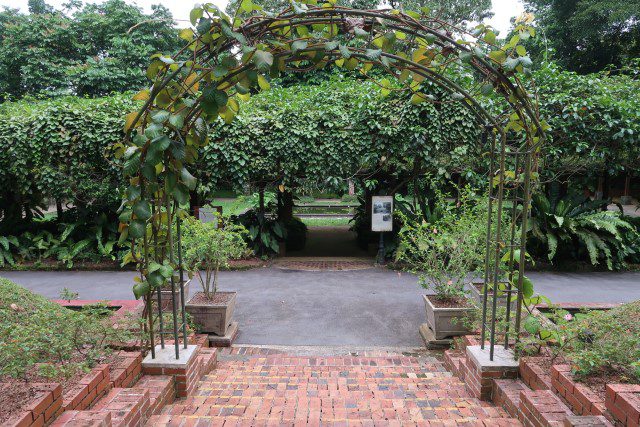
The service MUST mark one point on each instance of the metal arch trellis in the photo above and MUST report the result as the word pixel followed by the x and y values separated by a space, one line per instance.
pixel 225 58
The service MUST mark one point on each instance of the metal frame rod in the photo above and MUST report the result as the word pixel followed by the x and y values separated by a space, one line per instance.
pixel 496 261
pixel 488 239
pixel 181 269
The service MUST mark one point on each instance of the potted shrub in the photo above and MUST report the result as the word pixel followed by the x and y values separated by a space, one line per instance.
pixel 206 249
pixel 443 254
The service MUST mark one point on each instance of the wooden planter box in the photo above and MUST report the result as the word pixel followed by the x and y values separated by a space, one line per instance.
pixel 446 321
pixel 212 318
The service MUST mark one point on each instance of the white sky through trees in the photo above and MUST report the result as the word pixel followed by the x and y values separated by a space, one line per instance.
pixel 503 10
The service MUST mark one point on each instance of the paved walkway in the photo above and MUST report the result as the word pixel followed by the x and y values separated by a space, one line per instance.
pixel 256 387
pixel 366 307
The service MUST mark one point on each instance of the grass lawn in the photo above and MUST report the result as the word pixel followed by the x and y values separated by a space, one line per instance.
pixel 325 222
pixel 232 206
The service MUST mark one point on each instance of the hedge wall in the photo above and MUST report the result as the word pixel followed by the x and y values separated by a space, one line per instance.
pixel 56 149
pixel 326 132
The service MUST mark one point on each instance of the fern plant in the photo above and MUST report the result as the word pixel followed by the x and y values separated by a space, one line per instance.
pixel 577 226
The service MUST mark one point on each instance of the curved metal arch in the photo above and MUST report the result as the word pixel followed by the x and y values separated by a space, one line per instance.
pixel 181 77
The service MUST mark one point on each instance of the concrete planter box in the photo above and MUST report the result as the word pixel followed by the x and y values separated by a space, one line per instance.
pixel 167 299
pixel 446 321
pixel 212 318
pixel 476 293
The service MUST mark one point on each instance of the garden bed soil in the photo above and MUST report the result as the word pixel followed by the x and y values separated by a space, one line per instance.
pixel 16 394
pixel 109 265
pixel 218 298
pixel 447 303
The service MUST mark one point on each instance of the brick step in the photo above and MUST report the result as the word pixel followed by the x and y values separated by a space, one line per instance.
pixel 83 418
pixel 453 361
pixel 363 408
pixel 543 408
pixel 161 392
pixel 506 394
pixel 413 420
pixel 128 406
pixel 328 362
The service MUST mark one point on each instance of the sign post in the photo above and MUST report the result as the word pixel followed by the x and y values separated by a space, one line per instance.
pixel 381 220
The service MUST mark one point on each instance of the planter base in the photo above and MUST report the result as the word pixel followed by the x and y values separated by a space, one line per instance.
pixel 430 341
pixel 225 340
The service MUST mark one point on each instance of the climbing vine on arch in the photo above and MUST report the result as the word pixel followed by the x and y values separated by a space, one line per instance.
pixel 228 58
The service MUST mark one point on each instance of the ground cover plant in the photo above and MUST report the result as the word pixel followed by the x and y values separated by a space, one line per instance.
pixel 40 338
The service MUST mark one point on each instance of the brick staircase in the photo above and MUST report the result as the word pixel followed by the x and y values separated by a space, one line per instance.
pixel 257 386
pixel 134 404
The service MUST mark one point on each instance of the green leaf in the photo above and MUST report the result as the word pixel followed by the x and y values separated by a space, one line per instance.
pixel 373 54
pixel 195 14
pixel 181 194
pixel 142 210
pixel 498 56
pixel 141 289
pixel 344 51
pixel 360 32
pixel 486 89
pixel 160 116
pixel 137 229
pixel 132 165
pixel 213 99
pixel 176 120
pixel 527 287
pixel 299 45
pixel 189 180
pixel 532 325
pixel 263 60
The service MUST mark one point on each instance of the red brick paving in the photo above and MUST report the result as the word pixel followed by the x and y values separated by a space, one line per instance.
pixel 255 387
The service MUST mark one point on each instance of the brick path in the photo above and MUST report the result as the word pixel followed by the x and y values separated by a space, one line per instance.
pixel 255 386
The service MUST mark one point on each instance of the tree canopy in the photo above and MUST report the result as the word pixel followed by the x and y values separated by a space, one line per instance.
pixel 454 11
pixel 588 35
pixel 91 49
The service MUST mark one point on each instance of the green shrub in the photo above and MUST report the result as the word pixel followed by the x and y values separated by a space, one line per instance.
pixel 578 228
pixel 606 342
pixel 34 330
pixel 207 247
pixel 443 253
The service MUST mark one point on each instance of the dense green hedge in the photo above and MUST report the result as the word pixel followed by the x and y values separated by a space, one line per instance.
pixel 326 132
pixel 594 119
pixel 57 149
pixel 335 130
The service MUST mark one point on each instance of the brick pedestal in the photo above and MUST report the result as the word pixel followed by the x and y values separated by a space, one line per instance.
pixel 185 370
pixel 481 371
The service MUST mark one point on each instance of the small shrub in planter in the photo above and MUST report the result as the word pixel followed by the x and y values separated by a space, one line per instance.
pixel 443 254
pixel 206 249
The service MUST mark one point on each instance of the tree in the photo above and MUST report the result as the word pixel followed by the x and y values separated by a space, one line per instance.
pixel 455 11
pixel 92 50
pixel 588 35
